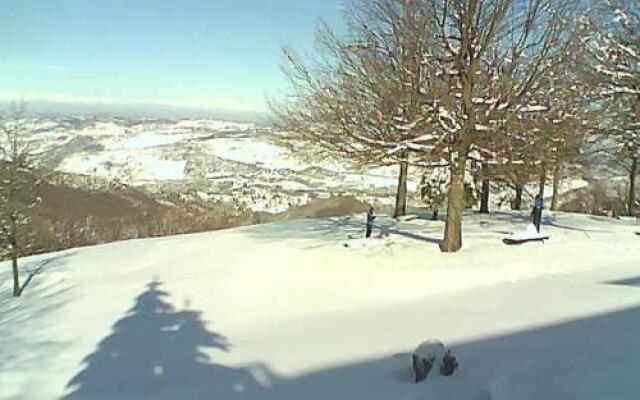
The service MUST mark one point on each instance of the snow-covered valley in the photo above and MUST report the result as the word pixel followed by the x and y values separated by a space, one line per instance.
pixel 238 163
pixel 287 311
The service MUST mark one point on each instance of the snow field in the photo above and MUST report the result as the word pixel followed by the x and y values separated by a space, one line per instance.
pixel 304 317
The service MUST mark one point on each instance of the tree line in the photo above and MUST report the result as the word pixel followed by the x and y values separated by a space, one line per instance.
pixel 513 91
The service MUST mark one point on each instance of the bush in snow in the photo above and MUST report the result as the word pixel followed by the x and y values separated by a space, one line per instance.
pixel 433 191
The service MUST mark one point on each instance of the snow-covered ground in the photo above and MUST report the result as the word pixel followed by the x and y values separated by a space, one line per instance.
pixel 251 151
pixel 500 198
pixel 287 311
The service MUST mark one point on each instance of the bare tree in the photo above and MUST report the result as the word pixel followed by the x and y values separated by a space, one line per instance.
pixel 430 79
pixel 560 125
pixel 17 192
pixel 614 66
pixel 493 55
pixel 364 101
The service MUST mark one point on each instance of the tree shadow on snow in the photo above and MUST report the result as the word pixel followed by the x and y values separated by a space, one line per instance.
pixel 412 235
pixel 591 358
pixel 35 268
pixel 335 230
pixel 325 229
pixel 505 216
pixel 46 297
pixel 576 229
pixel 157 352
pixel 548 219
pixel 633 282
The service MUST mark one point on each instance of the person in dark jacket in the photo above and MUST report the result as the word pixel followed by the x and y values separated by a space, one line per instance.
pixel 369 222
pixel 538 206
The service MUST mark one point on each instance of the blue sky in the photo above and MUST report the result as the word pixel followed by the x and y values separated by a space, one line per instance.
pixel 193 53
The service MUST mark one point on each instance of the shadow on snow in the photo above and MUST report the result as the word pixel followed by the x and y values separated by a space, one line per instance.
pixel 339 229
pixel 35 268
pixel 633 282
pixel 156 352
pixel 591 358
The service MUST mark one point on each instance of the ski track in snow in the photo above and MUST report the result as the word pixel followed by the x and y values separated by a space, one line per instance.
pixel 286 311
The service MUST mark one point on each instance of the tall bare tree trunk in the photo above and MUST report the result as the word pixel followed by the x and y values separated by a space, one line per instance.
pixel 543 182
pixel 632 185
pixel 557 174
pixel 455 206
pixel 16 278
pixel 14 255
pixel 401 194
pixel 484 200
pixel 517 202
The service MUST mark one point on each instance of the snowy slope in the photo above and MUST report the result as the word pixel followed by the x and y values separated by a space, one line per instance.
pixel 286 311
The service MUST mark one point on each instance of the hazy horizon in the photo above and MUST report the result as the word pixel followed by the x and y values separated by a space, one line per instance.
pixel 193 58
pixel 133 110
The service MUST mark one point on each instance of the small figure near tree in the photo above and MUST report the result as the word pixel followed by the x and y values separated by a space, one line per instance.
pixel 369 222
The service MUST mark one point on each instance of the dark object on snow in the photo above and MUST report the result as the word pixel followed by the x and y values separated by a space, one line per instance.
pixel 449 364
pixel 638 233
pixel 369 222
pixel 529 235
pixel 536 214
pixel 521 241
pixel 425 356
pixel 422 367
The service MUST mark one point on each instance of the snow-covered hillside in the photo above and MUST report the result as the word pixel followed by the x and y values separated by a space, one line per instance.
pixel 238 163
pixel 287 311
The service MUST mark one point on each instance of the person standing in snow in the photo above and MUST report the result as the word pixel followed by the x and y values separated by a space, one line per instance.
pixel 369 222
pixel 538 205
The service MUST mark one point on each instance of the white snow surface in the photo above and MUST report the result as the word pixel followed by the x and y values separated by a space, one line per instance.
pixel 145 166
pixel 530 233
pixel 431 348
pixel 285 311
pixel 250 151
pixel 145 140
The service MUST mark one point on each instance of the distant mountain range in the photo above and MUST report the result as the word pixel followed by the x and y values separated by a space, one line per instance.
pixel 45 108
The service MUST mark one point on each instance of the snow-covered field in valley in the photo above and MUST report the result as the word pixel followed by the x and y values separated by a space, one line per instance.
pixel 243 164
pixel 309 310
